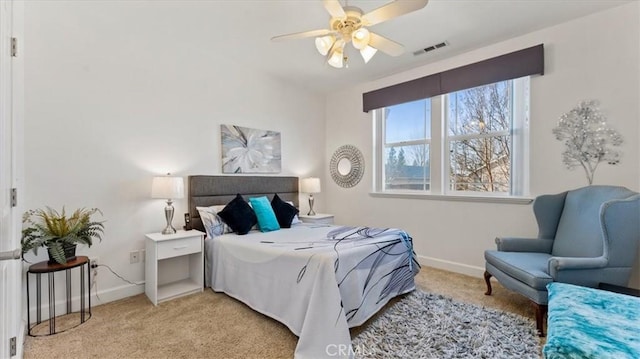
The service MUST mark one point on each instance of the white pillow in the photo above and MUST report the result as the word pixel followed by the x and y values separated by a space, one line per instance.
pixel 295 219
pixel 213 224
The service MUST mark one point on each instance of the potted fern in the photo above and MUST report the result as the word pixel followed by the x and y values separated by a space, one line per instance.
pixel 58 232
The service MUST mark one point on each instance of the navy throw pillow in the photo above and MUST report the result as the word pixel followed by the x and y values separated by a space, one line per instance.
pixel 238 215
pixel 284 211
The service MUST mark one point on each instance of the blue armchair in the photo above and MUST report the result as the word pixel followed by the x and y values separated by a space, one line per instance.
pixel 586 236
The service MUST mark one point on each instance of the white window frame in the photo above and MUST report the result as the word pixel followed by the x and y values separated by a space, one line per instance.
pixel 439 184
pixel 384 145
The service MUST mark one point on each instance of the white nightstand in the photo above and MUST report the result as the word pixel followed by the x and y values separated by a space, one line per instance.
pixel 319 218
pixel 174 265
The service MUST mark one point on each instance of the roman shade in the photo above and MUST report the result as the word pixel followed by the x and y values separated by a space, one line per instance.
pixel 529 61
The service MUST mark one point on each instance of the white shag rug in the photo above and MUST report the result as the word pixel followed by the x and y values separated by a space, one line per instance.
pixel 424 325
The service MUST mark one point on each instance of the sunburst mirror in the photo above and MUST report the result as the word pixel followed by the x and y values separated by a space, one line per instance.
pixel 347 166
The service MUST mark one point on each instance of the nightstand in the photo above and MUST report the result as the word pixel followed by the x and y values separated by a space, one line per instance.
pixel 318 218
pixel 174 265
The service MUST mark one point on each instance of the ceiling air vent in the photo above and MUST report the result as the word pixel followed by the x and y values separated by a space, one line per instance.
pixel 430 48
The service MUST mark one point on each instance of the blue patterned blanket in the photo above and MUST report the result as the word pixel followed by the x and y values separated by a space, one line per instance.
pixel 591 323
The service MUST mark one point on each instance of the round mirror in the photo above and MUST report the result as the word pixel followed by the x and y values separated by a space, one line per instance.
pixel 344 166
pixel 347 166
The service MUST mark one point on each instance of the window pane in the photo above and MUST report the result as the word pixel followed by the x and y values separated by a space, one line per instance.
pixel 407 167
pixel 481 109
pixel 408 121
pixel 481 164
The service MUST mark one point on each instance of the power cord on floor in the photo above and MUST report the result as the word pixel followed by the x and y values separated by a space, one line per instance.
pixel 94 282
pixel 94 274
pixel 118 275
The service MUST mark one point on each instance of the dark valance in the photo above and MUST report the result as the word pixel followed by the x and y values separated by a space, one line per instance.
pixel 513 65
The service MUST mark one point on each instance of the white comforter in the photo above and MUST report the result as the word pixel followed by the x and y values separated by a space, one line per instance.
pixel 316 286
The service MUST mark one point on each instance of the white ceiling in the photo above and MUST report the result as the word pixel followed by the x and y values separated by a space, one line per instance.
pixel 465 24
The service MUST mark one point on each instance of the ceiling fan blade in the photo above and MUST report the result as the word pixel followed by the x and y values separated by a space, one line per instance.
pixel 385 45
pixel 391 10
pixel 302 35
pixel 334 8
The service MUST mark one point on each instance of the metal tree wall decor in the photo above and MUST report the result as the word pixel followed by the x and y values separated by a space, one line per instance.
pixel 588 138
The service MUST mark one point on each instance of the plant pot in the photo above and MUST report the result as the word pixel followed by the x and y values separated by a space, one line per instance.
pixel 69 253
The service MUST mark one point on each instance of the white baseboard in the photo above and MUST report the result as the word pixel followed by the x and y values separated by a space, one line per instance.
pixel 116 293
pixel 22 334
pixel 101 297
pixel 451 266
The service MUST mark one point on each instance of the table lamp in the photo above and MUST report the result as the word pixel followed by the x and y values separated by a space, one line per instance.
pixel 169 188
pixel 310 185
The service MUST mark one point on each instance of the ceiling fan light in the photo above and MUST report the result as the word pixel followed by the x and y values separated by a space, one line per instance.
pixel 336 60
pixel 367 53
pixel 324 43
pixel 361 38
pixel 336 54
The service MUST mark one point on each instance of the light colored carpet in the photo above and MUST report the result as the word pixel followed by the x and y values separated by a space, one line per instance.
pixel 213 325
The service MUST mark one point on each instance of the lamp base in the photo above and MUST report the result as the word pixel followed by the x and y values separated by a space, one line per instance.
pixel 168 213
pixel 311 211
pixel 169 230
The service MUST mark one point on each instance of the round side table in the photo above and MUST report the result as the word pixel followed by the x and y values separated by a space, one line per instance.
pixel 50 269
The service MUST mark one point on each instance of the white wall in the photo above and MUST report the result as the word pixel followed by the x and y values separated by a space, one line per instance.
pixel 595 57
pixel 117 92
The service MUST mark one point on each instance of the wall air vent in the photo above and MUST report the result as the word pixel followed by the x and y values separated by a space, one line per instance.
pixel 430 48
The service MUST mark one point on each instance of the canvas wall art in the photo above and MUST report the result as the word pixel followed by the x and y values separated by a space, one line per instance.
pixel 249 150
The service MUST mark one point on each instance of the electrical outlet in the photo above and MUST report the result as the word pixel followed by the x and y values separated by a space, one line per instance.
pixel 134 257
pixel 143 255
pixel 93 262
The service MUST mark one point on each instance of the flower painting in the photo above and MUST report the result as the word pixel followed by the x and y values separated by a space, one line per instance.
pixel 248 150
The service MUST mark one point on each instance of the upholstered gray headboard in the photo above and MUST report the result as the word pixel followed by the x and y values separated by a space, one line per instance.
pixel 207 191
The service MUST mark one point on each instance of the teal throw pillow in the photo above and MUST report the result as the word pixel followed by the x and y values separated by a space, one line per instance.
pixel 266 217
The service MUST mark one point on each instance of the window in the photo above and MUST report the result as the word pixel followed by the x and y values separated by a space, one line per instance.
pixel 407 133
pixel 472 141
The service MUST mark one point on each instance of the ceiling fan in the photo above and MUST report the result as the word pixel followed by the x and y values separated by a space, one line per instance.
pixel 349 23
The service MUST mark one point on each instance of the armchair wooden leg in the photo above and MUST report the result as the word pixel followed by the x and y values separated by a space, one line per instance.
pixel 541 311
pixel 487 279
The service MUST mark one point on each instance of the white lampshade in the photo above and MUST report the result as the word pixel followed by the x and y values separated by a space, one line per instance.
pixel 361 38
pixel 310 185
pixel 367 53
pixel 324 43
pixel 336 57
pixel 167 187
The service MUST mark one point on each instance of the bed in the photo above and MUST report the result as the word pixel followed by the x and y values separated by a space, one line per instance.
pixel 318 280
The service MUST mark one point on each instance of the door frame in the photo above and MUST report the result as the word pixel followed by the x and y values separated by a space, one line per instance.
pixel 12 311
